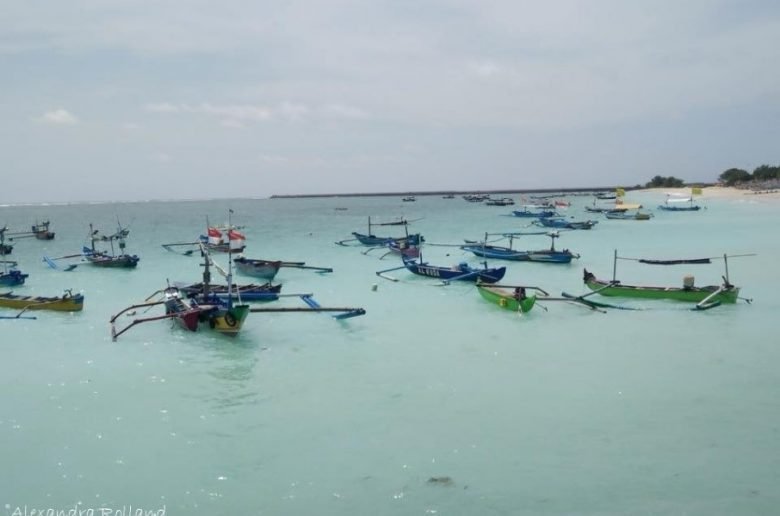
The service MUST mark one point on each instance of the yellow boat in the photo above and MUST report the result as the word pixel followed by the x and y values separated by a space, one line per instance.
pixel 65 303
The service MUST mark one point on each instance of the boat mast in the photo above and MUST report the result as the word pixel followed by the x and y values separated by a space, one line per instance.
pixel 230 264
pixel 614 268
pixel 92 237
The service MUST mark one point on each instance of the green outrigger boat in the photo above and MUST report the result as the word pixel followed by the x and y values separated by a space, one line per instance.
pixel 506 298
pixel 704 297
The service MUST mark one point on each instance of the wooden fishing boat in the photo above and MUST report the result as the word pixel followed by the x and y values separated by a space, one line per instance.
pixel 41 230
pixel 725 293
pixel 109 259
pixel 9 275
pixel 460 272
pixel 624 215
pixel 249 292
pixel 507 299
pixel 403 248
pixel 265 269
pixel 679 204
pixel 218 311
pixel 704 297
pixel 561 223
pixel 551 255
pixel 221 314
pixel 504 201
pixel 68 302
pixel 525 212
pixel 370 239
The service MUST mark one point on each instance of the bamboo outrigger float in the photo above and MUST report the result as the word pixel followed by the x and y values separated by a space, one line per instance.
pixel 705 297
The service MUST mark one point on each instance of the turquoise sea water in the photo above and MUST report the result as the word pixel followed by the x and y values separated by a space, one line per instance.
pixel 563 411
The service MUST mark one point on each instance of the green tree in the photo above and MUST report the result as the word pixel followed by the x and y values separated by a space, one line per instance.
pixel 765 172
pixel 665 182
pixel 733 176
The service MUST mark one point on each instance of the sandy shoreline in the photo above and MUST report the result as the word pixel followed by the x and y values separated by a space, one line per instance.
pixel 719 192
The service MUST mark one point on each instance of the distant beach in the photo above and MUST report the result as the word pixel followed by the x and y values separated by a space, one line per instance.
pixel 719 192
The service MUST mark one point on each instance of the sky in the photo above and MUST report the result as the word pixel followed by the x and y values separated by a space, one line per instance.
pixel 114 100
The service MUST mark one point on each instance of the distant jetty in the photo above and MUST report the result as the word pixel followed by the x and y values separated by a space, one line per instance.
pixel 570 191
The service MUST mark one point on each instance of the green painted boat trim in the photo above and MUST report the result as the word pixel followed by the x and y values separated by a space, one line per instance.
pixel 688 295
pixel 505 299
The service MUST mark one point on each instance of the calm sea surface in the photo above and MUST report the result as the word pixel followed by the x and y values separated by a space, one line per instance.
pixel 435 402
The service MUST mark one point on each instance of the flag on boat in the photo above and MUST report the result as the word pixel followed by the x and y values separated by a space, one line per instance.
pixel 696 190
pixel 215 236
pixel 237 240
pixel 620 192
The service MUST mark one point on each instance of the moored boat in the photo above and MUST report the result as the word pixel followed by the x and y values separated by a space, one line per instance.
pixel 725 293
pixel 264 269
pixel 515 301
pixel 551 255
pixel 68 302
pixel 460 272
pixel 705 297
pixel 561 223
pixel 41 230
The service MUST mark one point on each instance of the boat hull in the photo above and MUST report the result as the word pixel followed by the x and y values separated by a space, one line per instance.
pixel 66 303
pixel 228 321
pixel 688 295
pixel 12 278
pixel 505 299
pixel 462 272
pixel 679 208
pixel 364 239
pixel 502 253
pixel 263 269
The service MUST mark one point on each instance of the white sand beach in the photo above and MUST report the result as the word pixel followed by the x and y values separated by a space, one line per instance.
pixel 720 192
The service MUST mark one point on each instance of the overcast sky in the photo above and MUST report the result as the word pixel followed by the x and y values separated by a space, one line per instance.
pixel 159 99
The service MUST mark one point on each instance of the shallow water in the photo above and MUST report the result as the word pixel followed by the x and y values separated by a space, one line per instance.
pixel 559 411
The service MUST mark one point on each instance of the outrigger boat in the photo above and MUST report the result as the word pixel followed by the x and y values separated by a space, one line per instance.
pixel 221 314
pixel 373 240
pixel 526 212
pixel 9 275
pixel 250 292
pixel 68 302
pixel 514 300
pixel 561 223
pixel 704 297
pixel 550 255
pixel 460 272
pixel 215 309
pixel 267 269
pixel 41 230
pixel 677 204
pixel 105 259
pixel 5 249
pixel 624 215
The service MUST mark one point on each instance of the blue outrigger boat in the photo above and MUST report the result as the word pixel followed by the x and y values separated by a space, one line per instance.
pixel 495 252
pixel 460 272
pixel 10 276
pixel 372 240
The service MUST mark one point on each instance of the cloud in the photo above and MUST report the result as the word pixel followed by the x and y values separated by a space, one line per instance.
pixel 59 117
pixel 237 115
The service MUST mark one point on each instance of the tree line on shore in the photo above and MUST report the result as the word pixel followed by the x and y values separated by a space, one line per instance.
pixel 736 176
pixel 730 177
